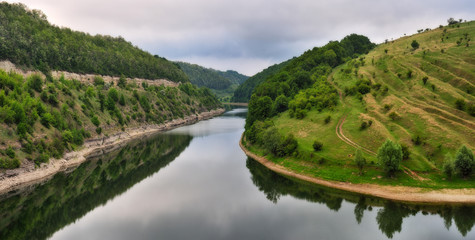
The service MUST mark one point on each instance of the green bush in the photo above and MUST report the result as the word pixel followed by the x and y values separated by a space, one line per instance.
pixel 35 82
pixel 464 161
pixel 9 163
pixel 98 81
pixel 328 119
pixel 414 44
pixel 98 130
pixel 317 146
pixel 10 152
pixel 114 94
pixel 67 136
pixel 42 158
pixel 47 119
pixel 390 156
pixel 95 121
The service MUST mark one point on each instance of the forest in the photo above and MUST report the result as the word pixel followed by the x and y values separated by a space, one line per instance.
pixel 29 40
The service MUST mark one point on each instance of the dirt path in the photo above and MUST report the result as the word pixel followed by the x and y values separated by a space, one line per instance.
pixel 341 136
pixel 397 193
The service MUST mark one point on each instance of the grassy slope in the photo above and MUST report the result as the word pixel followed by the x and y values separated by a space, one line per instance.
pixel 77 103
pixel 427 113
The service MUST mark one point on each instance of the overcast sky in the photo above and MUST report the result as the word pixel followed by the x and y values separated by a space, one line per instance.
pixel 247 35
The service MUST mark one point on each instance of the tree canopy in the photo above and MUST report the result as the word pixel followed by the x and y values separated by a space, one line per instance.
pixel 28 39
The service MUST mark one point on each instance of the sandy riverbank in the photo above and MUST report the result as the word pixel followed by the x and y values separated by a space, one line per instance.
pixel 19 178
pixel 397 193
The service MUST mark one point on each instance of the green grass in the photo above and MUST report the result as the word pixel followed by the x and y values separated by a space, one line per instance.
pixel 423 111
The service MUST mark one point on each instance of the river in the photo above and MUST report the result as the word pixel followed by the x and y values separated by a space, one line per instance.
pixel 194 182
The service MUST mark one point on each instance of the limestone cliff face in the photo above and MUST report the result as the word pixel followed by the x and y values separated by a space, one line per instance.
pixel 85 78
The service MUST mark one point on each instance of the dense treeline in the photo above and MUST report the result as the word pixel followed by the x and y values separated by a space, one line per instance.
pixel 244 91
pixel 43 118
pixel 207 77
pixel 298 87
pixel 234 76
pixel 28 39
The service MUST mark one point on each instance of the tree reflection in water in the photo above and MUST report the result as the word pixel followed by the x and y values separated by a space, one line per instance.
pixel 40 211
pixel 389 217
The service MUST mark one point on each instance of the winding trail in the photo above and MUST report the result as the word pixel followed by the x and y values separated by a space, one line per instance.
pixel 341 135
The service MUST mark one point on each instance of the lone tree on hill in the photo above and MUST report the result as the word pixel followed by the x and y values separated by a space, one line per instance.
pixel 464 161
pixel 414 44
pixel 390 156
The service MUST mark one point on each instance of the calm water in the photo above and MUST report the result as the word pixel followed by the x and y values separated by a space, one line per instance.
pixel 195 183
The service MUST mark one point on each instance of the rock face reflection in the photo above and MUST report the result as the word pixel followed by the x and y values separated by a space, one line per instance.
pixel 40 211
pixel 390 215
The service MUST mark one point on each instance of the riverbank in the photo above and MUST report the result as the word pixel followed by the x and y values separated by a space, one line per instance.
pixel 18 178
pixel 397 193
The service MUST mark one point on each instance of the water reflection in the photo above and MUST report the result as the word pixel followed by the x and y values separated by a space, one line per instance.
pixel 69 196
pixel 389 217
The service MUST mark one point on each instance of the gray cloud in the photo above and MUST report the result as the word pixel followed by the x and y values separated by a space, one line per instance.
pixel 247 35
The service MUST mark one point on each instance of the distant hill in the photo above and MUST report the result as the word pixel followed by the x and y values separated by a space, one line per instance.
pixel 211 78
pixel 29 40
pixel 244 91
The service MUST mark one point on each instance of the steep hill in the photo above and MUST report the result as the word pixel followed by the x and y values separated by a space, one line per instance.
pixel 418 91
pixel 45 115
pixel 244 91
pixel 29 40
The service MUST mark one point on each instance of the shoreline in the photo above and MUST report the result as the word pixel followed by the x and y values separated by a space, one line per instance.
pixel 20 178
pixel 395 193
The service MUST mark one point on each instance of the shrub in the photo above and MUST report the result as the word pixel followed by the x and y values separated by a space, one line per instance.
pixel 414 45
pixel 405 152
pixel 424 80
pixel 393 116
pixel 9 163
pixel 35 82
pixel 464 161
pixel 42 158
pixel 300 113
pixel 122 83
pixel 328 119
pixel 113 94
pixel 409 74
pixel 47 119
pixel 98 81
pixel 95 121
pixel 363 125
pixel 460 104
pixel 360 161
pixel 122 100
pixel 317 146
pixel 390 156
pixel 144 103
pixel 98 130
pixel 67 136
pixel 10 152
pixel 417 140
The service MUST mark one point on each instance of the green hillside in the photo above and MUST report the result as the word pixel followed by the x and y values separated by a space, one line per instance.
pixel 29 40
pixel 244 91
pixel 418 91
pixel 222 83
pixel 43 117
